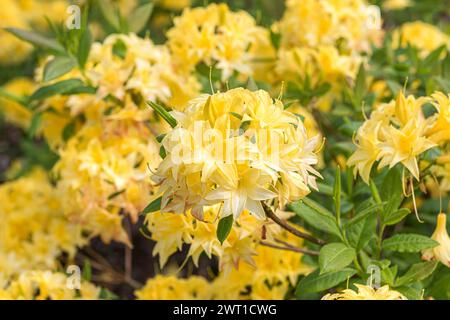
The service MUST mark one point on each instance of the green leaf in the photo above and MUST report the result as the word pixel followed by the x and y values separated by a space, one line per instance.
pixel 110 14
pixel 433 56
pixel 161 111
pixel 224 228
pixel 155 205
pixel 360 85
pixel 394 87
pixel 312 217
pixel 317 207
pixel 388 275
pixel 315 282
pixel 69 130
pixel 9 96
pixel 408 243
pixel 138 19
pixel 119 49
pixel 417 272
pixel 359 234
pixel 58 67
pixel 60 87
pixel 37 40
pixel 364 214
pixel 396 216
pixel 392 192
pixel 87 270
pixel 335 256
pixel 337 193
pixel 35 124
pixel 84 48
pixel 410 293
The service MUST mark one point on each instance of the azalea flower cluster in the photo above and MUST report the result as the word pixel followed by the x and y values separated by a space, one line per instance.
pixel 125 63
pixel 326 41
pixel 231 41
pixel 34 232
pixel 421 35
pixel 236 149
pixel 34 235
pixel 244 262
pixel 103 168
pixel 102 176
pixel 25 14
pixel 399 132
pixel 46 285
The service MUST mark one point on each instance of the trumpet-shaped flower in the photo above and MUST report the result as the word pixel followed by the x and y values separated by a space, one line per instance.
pixel 366 293
pixel 442 251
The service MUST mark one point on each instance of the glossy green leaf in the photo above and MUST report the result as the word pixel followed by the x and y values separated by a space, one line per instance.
pixel 335 256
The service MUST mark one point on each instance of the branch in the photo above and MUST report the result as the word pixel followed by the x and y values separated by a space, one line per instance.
pixel 269 213
pixel 289 248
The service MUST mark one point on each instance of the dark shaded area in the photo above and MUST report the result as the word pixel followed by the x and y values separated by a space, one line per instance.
pixel 108 263
pixel 10 139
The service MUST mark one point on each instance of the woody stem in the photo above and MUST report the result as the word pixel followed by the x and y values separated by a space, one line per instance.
pixel 269 213
pixel 289 248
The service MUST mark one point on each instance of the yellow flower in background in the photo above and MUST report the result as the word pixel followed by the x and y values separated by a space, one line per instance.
pixel 442 251
pixel 440 131
pixel 26 14
pixel 34 233
pixel 173 288
pixel 229 41
pixel 312 23
pixel 13 50
pixel 174 4
pixel 325 41
pixel 46 285
pixel 424 36
pixel 396 4
pixel 14 112
pixel 143 67
pixel 366 293
pixel 442 170
pixel 102 174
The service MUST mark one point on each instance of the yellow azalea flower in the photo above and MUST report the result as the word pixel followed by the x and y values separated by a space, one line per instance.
pixel 212 160
pixel 325 41
pixel 26 14
pixel 367 153
pixel 173 288
pixel 100 170
pixel 396 4
pixel 217 34
pixel 440 131
pixel 32 237
pixel 244 191
pixel 442 170
pixel 13 49
pixel 174 4
pixel 404 146
pixel 46 285
pixel 424 36
pixel 442 251
pixel 169 231
pixel 366 293
pixel 311 23
pixel 397 132
pixel 14 112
